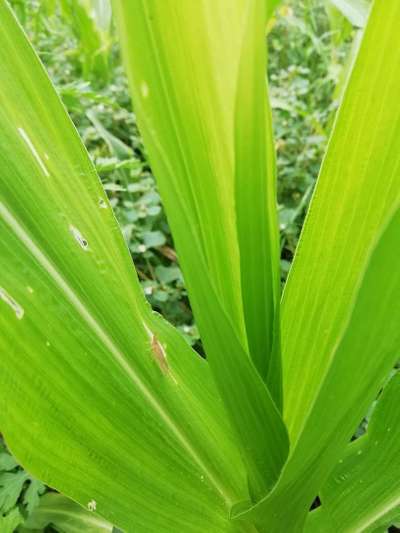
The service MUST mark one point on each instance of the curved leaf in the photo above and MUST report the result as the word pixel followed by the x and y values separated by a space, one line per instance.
pixel 111 394
pixel 358 187
pixel 340 333
pixel 189 79
pixel 255 205
pixel 362 359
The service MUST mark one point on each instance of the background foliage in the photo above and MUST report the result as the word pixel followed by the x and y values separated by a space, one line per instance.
pixel 308 46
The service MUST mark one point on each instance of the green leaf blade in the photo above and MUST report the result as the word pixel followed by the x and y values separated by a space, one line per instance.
pixel 187 122
pixel 363 358
pixel 356 11
pixel 340 309
pixel 362 493
pixel 112 394
pixel 357 189
pixel 64 514
pixel 255 202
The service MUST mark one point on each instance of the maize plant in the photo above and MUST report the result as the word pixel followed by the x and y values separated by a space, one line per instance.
pixel 104 400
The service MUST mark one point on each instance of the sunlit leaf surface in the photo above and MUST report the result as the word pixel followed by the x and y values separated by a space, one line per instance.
pixel 111 394
pixel 217 185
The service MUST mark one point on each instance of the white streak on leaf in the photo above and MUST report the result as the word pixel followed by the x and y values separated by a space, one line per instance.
pixel 33 150
pixel 18 310
pixel 103 203
pixel 148 330
pixel 79 237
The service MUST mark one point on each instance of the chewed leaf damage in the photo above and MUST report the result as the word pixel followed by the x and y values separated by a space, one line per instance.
pixel 159 353
pixel 83 243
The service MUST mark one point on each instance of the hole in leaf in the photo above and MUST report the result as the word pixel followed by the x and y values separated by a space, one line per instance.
pixel 316 503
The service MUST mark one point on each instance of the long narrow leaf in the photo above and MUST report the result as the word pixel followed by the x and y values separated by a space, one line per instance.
pixel 191 68
pixel 255 202
pixel 340 334
pixel 361 361
pixel 358 187
pixel 122 414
